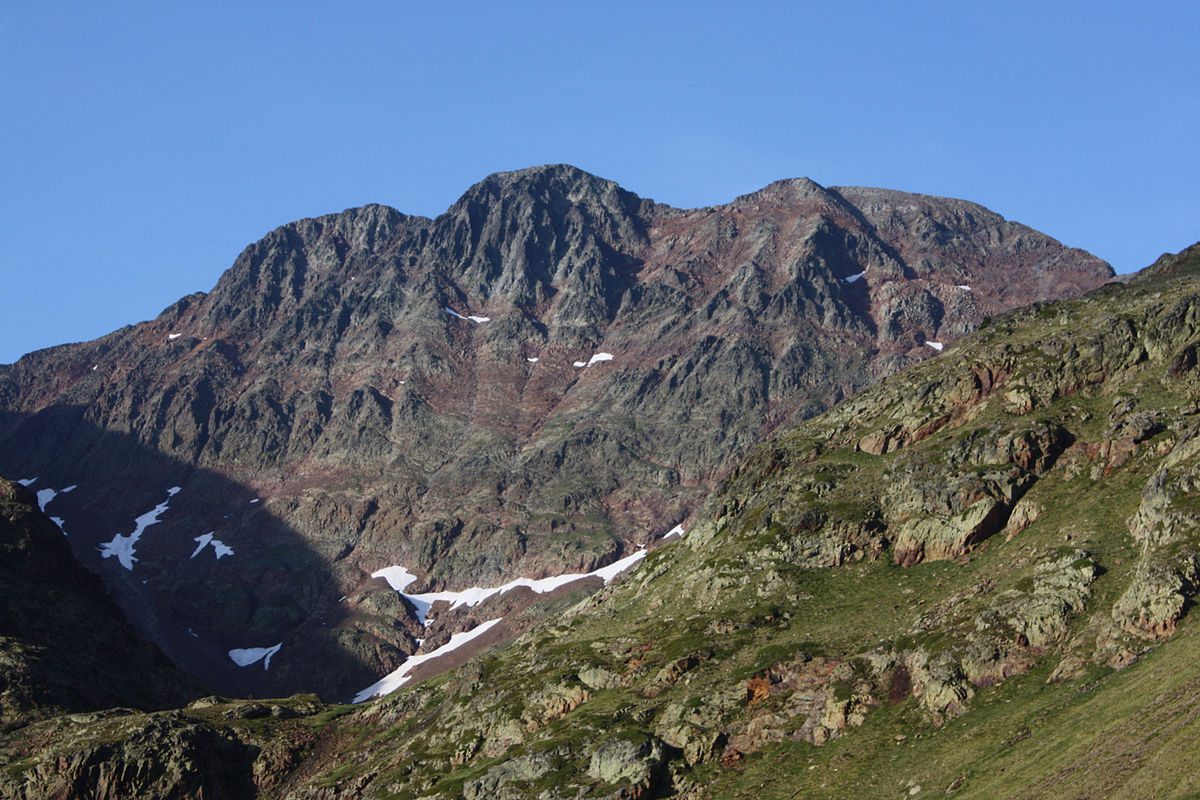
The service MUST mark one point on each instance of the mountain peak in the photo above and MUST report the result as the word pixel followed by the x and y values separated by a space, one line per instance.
pixel 538 172
pixel 548 183
pixel 787 188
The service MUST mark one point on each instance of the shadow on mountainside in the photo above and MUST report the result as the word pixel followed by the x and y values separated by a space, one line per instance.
pixel 272 589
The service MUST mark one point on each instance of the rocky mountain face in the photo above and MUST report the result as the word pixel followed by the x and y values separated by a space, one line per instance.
pixel 64 646
pixel 547 375
pixel 973 579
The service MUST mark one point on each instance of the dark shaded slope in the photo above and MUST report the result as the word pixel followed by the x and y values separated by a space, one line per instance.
pixel 64 645
pixel 195 603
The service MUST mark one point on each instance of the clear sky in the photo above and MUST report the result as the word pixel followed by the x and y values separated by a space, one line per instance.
pixel 145 144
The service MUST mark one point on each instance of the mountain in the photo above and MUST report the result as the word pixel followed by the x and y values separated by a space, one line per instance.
pixel 64 646
pixel 536 382
pixel 973 579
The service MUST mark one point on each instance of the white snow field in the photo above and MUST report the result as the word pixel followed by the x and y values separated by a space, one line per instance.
pixel 122 546
pixel 246 656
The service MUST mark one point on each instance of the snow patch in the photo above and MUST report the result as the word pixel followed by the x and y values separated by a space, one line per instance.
pixel 122 546
pixel 255 500
pixel 676 531
pixel 963 286
pixel 397 577
pixel 472 318
pixel 400 676
pixel 532 360
pixel 400 578
pixel 853 278
pixel 44 497
pixel 219 547
pixel 596 359
pixel 173 336
pixel 617 567
pixel 939 346
pixel 246 656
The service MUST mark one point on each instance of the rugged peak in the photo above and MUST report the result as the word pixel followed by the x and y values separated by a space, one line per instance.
pixel 360 227
pixel 306 259
pixel 528 234
pixel 787 190
pixel 552 185
pixel 541 173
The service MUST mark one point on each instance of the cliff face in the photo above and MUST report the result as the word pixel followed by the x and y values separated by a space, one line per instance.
pixel 368 389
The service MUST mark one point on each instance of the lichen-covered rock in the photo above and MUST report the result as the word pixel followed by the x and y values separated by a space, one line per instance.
pixel 1157 595
pixel 939 683
pixel 598 678
pixel 938 508
pixel 1166 525
pixel 1024 514
pixel 553 702
pixel 1061 587
pixel 670 674
pixel 636 763
pixel 510 779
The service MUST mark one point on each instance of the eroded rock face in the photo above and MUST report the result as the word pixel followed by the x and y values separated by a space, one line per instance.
pixel 398 389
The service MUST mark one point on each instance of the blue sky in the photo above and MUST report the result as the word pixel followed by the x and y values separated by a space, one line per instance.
pixel 145 144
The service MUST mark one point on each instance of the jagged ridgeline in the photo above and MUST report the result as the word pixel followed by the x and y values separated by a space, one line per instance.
pixel 534 383
pixel 972 579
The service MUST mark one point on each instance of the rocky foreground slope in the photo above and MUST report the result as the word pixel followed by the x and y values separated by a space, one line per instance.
pixel 971 580
pixel 547 375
